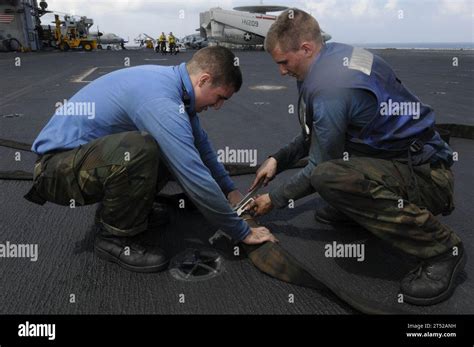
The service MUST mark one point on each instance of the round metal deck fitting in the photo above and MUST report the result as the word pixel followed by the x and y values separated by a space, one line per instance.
pixel 194 265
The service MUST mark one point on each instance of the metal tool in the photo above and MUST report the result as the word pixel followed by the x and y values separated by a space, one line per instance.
pixel 240 207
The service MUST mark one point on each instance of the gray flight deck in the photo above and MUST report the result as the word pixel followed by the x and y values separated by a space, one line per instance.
pixel 255 118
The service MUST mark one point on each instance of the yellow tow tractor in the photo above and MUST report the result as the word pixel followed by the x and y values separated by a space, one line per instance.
pixel 72 33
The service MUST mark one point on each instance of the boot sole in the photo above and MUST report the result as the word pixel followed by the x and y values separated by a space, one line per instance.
pixel 443 296
pixel 144 269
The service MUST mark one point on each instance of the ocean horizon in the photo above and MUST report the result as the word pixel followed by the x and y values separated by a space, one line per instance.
pixel 418 45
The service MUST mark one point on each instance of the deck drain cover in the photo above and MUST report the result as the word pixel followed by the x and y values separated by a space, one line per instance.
pixel 196 265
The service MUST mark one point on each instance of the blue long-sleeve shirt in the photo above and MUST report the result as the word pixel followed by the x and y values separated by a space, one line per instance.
pixel 333 112
pixel 150 98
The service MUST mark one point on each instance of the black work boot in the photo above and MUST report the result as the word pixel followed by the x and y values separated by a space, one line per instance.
pixel 130 252
pixel 329 215
pixel 434 279
pixel 159 215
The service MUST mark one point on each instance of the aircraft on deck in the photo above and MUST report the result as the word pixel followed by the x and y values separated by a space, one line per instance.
pixel 246 25
pixel 107 39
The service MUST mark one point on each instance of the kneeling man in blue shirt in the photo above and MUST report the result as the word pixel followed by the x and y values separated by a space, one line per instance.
pixel 374 155
pixel 117 138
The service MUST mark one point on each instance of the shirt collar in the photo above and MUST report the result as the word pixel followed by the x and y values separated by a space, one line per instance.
pixel 300 84
pixel 186 82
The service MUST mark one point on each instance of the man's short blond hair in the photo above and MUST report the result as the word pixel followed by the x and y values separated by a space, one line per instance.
pixel 291 28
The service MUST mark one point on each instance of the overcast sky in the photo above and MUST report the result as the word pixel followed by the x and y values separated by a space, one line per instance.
pixel 351 21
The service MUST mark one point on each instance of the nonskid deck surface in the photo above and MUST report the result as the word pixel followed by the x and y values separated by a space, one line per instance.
pixel 255 120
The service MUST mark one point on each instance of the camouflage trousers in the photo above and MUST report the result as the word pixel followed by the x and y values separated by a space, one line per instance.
pixel 379 195
pixel 121 171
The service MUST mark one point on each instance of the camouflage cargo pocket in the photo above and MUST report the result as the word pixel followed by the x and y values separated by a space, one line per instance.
pixel 55 178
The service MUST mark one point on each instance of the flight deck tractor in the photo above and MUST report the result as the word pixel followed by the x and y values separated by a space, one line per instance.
pixel 73 33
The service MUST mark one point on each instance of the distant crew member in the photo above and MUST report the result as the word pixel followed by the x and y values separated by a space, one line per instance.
pixel 122 44
pixel 144 125
pixel 172 43
pixel 162 43
pixel 149 43
pixel 374 155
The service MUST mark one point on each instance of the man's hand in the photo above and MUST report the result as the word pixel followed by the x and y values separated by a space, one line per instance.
pixel 265 172
pixel 259 235
pixel 234 197
pixel 261 205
